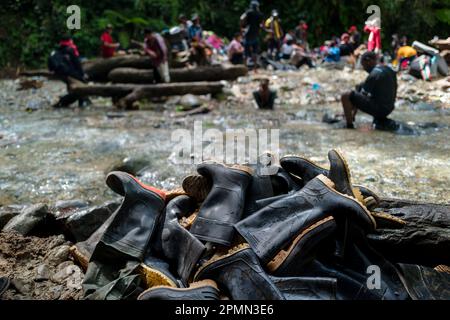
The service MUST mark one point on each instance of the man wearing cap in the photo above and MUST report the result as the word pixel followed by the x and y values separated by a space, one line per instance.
pixel 251 22
pixel 275 33
pixel 108 45
pixel 355 37
pixel 376 96
pixel 195 30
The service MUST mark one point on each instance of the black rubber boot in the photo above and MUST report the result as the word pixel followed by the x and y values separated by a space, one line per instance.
pixel 239 273
pixel 4 284
pixel 423 283
pixel 306 288
pixel 308 170
pixel 224 205
pixel 202 290
pixel 303 248
pixel 113 270
pixel 274 227
pixel 179 246
pixel 269 186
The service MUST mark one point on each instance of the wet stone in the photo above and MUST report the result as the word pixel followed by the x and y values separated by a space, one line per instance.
pixel 58 255
pixel 43 273
pixel 30 218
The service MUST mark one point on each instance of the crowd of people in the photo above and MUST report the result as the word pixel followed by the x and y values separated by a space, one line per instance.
pixel 188 43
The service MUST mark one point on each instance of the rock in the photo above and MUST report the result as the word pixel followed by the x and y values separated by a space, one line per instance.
pixel 63 206
pixel 71 276
pixel 190 101
pixel 64 265
pixel 22 286
pixel 9 212
pixel 55 292
pixel 58 255
pixel 81 224
pixel 29 219
pixel 130 165
pixel 43 273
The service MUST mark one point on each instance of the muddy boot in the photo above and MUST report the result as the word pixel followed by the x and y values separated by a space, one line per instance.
pixel 303 248
pixel 4 284
pixel 272 228
pixel 224 205
pixel 179 246
pixel 308 170
pixel 113 270
pixel 423 283
pixel 268 186
pixel 202 290
pixel 239 273
pixel 306 288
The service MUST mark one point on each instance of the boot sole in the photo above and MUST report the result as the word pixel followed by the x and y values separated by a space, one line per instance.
pixel 442 268
pixel 172 194
pixel 355 191
pixel 388 217
pixel 196 186
pixel 278 260
pixel 218 257
pixel 152 277
pixel 330 184
pixel 180 292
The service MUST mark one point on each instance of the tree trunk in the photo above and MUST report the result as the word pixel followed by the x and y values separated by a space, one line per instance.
pixel 126 95
pixel 209 73
pixel 98 69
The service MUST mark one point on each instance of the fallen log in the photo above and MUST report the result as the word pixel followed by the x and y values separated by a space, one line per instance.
pixel 98 69
pixel 125 95
pixel 40 73
pixel 424 239
pixel 207 73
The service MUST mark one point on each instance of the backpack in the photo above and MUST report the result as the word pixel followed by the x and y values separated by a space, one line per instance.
pixel 57 62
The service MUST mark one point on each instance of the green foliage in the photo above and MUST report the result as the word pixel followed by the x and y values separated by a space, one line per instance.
pixel 30 29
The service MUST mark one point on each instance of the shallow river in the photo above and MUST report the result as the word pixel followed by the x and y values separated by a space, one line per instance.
pixel 50 155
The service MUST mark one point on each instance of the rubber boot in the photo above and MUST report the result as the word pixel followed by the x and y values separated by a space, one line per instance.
pixel 180 247
pixel 272 228
pixel 202 290
pixel 306 288
pixel 239 273
pixel 224 204
pixel 113 270
pixel 423 283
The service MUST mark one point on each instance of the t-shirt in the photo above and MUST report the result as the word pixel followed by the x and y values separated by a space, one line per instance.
pixel 107 52
pixel 234 47
pixel 195 31
pixel 253 20
pixel 406 52
pixel 381 86
pixel 287 49
pixel 274 25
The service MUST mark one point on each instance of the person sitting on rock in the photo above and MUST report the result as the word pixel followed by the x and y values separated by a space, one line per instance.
pixel 264 97
pixel 376 96
pixel 236 50
pixel 155 47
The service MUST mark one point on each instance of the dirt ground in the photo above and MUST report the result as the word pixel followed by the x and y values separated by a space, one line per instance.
pixel 39 268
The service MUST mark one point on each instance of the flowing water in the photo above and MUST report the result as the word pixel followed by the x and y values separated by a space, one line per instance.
pixel 49 155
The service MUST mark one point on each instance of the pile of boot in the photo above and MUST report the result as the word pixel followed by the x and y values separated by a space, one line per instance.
pixel 299 233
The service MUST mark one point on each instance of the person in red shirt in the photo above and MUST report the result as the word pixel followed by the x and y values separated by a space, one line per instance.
pixel 108 45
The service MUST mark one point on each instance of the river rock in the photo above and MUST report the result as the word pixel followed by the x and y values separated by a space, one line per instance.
pixel 131 165
pixel 43 273
pixel 9 212
pixel 81 224
pixel 63 206
pixel 190 101
pixel 58 255
pixel 29 219
pixel 22 286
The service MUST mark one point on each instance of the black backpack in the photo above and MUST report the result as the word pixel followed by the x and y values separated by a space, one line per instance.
pixel 57 62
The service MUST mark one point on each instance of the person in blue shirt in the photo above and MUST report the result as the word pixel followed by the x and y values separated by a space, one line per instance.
pixel 334 53
pixel 195 30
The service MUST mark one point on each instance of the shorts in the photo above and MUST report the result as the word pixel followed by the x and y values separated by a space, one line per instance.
pixel 251 47
pixel 367 105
